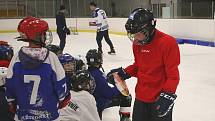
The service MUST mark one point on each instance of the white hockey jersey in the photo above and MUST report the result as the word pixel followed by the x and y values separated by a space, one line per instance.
pixel 100 19
pixel 82 107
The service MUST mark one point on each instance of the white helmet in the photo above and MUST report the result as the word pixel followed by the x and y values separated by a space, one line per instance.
pixel 3 75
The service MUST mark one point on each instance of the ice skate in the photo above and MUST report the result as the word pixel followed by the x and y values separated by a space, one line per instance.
pixel 112 52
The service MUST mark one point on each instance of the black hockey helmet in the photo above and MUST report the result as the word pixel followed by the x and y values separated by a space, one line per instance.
pixel 94 58
pixel 141 20
pixel 83 81
pixel 55 49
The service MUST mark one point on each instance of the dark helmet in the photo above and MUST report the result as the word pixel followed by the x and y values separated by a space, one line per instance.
pixel 55 49
pixel 83 81
pixel 141 20
pixel 94 58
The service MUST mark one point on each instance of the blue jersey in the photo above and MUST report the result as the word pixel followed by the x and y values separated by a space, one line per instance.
pixel 103 92
pixel 36 86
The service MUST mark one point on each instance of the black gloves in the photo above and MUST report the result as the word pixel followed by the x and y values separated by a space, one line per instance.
pixel 164 104
pixel 121 73
pixel 67 31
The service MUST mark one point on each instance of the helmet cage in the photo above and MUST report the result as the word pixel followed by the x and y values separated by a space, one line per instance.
pixel 83 81
pixel 140 20
pixel 3 75
pixel 69 67
pixel 146 30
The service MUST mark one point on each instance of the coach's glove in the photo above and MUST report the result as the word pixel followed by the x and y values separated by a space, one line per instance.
pixel 67 31
pixel 121 72
pixel 164 104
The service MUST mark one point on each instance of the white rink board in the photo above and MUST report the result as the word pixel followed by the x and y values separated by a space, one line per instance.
pixel 196 91
pixel 199 29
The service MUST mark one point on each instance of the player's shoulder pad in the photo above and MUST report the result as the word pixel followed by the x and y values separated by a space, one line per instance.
pixel 56 65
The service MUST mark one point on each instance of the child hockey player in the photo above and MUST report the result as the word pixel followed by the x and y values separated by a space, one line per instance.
pixel 82 105
pixel 70 65
pixel 6 53
pixel 105 95
pixel 36 79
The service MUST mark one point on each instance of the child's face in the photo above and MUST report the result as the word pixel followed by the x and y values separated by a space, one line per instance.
pixel 69 67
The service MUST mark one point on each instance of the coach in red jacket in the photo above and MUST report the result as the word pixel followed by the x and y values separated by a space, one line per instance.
pixel 156 60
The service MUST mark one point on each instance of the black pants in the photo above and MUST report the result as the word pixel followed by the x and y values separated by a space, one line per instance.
pixel 62 36
pixel 119 100
pixel 100 36
pixel 145 112
pixel 5 115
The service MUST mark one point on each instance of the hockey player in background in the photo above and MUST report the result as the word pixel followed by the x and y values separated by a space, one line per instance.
pixel 82 105
pixel 106 95
pixel 6 53
pixel 100 20
pixel 36 84
pixel 62 29
pixel 156 60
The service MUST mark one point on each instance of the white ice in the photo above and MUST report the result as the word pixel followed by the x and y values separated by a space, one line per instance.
pixel 196 91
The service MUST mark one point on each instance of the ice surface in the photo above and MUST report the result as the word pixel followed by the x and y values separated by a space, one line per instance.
pixel 196 91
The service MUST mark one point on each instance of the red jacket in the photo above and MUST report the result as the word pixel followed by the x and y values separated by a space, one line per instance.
pixel 156 67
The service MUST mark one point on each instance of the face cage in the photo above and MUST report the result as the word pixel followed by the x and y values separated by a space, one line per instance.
pixel 3 75
pixel 48 37
pixel 145 32
pixel 88 85
pixel 70 67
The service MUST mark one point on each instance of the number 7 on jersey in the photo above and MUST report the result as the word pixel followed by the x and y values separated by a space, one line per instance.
pixel 36 79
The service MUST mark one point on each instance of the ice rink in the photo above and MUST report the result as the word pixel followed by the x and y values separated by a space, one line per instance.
pixel 196 90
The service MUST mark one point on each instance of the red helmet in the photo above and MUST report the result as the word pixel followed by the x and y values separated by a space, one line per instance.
pixel 33 29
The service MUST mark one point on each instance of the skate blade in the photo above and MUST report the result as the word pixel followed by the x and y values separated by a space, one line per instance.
pixel 111 53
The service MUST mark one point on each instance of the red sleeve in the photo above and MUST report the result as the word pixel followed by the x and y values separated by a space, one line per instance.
pixel 132 69
pixel 171 61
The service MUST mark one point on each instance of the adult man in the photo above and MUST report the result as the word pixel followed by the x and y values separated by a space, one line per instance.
pixel 156 60
pixel 102 27
pixel 62 29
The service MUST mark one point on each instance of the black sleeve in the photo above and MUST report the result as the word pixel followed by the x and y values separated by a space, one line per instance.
pixel 61 21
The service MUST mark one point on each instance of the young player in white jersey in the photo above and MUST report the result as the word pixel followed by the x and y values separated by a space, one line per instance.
pixel 100 20
pixel 82 105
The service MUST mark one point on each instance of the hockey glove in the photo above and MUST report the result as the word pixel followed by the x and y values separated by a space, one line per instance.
pixel 121 72
pixel 92 23
pixel 164 104
pixel 12 107
pixel 67 31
